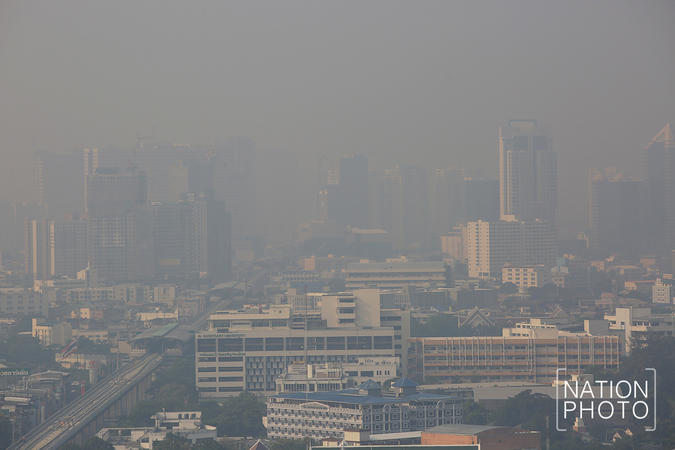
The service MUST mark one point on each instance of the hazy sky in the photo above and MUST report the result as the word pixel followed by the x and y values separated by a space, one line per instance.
pixel 414 82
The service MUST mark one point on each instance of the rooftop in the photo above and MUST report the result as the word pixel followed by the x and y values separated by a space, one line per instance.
pixel 472 430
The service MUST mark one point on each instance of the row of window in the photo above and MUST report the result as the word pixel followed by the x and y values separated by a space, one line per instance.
pixel 233 345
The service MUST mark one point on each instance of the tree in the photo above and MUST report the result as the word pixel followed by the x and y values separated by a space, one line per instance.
pixel 241 416
pixel 508 288
pixel 475 413
pixel 96 443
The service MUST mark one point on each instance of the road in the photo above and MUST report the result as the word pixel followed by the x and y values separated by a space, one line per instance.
pixel 60 427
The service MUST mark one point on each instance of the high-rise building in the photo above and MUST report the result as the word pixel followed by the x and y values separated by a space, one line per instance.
pixel 527 173
pixel 404 207
pixel 481 199
pixel 229 165
pixel 116 233
pixel 447 200
pixel 55 247
pixel 192 236
pixel 23 211
pixel 617 214
pixel 461 194
pixel 59 182
pixel 354 191
pixel 346 201
pixel 490 245
pixel 660 179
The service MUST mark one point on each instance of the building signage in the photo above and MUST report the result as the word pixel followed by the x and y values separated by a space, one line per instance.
pixel 7 372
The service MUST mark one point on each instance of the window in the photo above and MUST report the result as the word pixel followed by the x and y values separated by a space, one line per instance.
pixel 383 342
pixel 228 345
pixel 206 345
pixel 295 343
pixel 254 344
pixel 206 369
pixel 206 389
pixel 206 379
pixel 335 343
pixel 231 379
pixel 230 358
pixel 274 344
pixel 229 389
pixel 230 369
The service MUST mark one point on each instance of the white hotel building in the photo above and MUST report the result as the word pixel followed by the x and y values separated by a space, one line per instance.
pixel 326 415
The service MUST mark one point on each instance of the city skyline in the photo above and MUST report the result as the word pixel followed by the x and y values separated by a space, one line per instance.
pixel 432 93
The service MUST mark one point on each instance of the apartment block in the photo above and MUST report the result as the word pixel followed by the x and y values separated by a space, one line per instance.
pixel 526 276
pixel 663 291
pixel 491 245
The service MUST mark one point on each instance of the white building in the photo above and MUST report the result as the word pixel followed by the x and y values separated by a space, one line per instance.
pixel 631 323
pixel 395 275
pixel 249 349
pixel 526 276
pixel 491 245
pixel 51 333
pixel 663 291
pixel 325 415
pixel 186 424
pixel 23 302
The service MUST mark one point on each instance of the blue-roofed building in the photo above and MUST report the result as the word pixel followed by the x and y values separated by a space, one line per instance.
pixel 325 415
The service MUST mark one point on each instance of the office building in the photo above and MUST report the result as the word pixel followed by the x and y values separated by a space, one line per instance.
pixel 525 353
pixel 249 349
pixel 404 207
pixel 396 275
pixel 660 178
pixel 617 214
pixel 327 415
pixel 528 173
pixel 59 181
pixel 490 245
pixel 118 240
